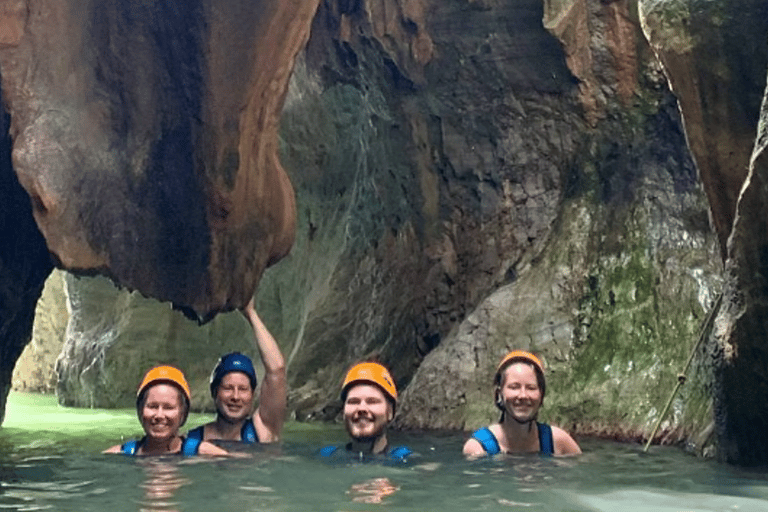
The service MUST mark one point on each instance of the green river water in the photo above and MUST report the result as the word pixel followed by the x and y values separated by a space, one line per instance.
pixel 50 460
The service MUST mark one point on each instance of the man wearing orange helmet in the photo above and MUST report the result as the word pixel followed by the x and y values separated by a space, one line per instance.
pixel 162 404
pixel 369 396
pixel 519 388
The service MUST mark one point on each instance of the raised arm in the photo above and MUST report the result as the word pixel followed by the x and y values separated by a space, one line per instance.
pixel 270 415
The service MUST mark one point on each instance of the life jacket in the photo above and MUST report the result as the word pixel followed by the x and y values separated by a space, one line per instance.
pixel 189 446
pixel 490 444
pixel 397 453
pixel 247 432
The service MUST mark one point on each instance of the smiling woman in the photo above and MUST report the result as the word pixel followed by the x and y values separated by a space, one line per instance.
pixel 519 389
pixel 162 404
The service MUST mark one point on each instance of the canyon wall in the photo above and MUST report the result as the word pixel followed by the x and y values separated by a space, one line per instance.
pixel 476 176
pixel 24 266
pixel 524 184
pixel 715 55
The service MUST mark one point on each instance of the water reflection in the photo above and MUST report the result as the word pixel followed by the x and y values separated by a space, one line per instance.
pixel 43 470
pixel 373 490
pixel 162 481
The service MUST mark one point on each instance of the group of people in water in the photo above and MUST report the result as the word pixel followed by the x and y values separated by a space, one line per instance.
pixel 369 398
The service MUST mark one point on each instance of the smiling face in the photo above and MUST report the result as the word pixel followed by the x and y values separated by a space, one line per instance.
pixel 366 412
pixel 234 397
pixel 163 411
pixel 520 393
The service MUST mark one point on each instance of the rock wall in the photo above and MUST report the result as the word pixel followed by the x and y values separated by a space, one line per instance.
pixel 144 140
pixel 629 262
pixel 541 205
pixel 35 370
pixel 716 57
pixel 24 265
pixel 114 336
pixel 146 137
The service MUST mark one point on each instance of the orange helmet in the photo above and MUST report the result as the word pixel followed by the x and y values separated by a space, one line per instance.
pixel 370 372
pixel 522 355
pixel 165 374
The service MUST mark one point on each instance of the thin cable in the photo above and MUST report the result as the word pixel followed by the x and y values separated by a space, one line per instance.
pixel 706 328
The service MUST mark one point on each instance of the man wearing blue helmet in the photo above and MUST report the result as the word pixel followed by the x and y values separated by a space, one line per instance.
pixel 233 383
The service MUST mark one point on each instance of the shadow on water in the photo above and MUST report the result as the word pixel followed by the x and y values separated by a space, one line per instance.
pixel 50 460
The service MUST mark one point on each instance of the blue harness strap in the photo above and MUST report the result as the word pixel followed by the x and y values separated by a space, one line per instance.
pixel 546 442
pixel 190 446
pixel 489 443
pixel 327 451
pixel 130 447
pixel 399 453
pixel 247 433
pixel 487 440
pixel 196 433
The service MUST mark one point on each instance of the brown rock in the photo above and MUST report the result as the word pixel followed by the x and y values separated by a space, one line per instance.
pixel 146 137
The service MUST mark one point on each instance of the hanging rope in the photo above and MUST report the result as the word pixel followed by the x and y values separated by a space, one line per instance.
pixel 705 330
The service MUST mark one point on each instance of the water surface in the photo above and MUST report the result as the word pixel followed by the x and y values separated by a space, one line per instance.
pixel 50 460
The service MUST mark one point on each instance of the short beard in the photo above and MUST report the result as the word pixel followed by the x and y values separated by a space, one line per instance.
pixel 365 439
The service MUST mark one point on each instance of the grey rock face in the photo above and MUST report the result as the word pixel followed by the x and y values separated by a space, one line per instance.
pixel 716 58
pixel 35 368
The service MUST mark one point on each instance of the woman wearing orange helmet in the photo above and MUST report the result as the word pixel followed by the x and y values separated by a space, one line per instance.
pixel 369 396
pixel 519 388
pixel 162 404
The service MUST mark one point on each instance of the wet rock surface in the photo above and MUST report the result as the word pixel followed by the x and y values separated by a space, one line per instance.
pixel 113 336
pixel 35 370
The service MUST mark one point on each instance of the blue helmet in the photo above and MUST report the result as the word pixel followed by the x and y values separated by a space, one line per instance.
pixel 234 362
